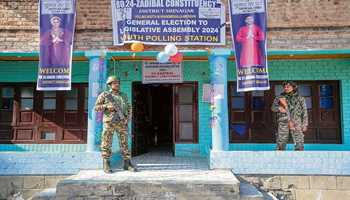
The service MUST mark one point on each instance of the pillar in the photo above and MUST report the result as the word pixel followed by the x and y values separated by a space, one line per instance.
pixel 97 83
pixel 218 78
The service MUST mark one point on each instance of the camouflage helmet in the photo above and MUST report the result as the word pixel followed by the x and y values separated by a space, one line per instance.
pixel 291 83
pixel 111 79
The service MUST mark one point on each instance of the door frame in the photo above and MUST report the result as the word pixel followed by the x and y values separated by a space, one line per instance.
pixel 175 114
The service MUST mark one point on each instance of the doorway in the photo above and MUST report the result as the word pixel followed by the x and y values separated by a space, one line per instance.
pixel 152 126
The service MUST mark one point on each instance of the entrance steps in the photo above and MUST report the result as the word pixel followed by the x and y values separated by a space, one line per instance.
pixel 161 177
pixel 152 185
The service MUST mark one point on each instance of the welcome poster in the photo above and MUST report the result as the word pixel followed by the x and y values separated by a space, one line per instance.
pixel 248 27
pixel 57 24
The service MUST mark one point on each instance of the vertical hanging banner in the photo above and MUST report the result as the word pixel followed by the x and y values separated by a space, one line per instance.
pixel 159 22
pixel 248 29
pixel 57 25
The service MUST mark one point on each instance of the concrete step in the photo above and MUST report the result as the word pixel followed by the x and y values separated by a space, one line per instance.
pixel 160 185
pixel 249 192
pixel 47 194
pixel 269 196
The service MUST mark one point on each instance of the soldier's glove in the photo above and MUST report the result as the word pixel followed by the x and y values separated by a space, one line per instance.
pixel 110 108
pixel 282 110
pixel 304 129
pixel 291 125
pixel 125 121
pixel 283 102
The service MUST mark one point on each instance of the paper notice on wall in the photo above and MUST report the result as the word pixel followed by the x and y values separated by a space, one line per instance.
pixel 154 72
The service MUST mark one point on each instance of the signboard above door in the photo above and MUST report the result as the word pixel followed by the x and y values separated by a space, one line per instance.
pixel 154 72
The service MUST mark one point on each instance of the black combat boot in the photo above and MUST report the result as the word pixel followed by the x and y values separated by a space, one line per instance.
pixel 299 148
pixel 107 166
pixel 129 166
pixel 281 147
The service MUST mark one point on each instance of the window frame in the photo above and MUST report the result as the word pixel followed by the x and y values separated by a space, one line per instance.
pixel 36 126
pixel 314 112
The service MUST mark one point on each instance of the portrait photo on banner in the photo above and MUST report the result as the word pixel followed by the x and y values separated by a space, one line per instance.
pixel 249 38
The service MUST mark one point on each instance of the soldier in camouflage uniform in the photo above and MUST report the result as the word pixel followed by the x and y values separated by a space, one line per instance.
pixel 292 116
pixel 116 113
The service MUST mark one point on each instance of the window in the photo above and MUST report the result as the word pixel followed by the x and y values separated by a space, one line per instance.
pixel 248 116
pixel 251 119
pixel 26 110
pixel 7 95
pixel 74 113
pixel 49 100
pixel 47 135
pixel 86 99
pixel 30 116
pixel 27 94
pixel 326 117
pixel 6 104
pixel 71 99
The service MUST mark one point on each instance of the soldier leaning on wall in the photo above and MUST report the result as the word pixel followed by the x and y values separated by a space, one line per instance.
pixel 116 114
pixel 292 117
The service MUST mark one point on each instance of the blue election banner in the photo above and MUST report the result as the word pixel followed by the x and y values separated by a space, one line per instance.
pixel 159 22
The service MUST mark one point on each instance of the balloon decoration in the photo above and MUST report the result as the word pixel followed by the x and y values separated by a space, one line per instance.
pixel 177 58
pixel 162 57
pixel 170 49
pixel 137 47
pixel 170 53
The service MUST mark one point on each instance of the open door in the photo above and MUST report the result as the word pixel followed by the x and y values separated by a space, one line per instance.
pixel 152 118
pixel 140 118
pixel 163 114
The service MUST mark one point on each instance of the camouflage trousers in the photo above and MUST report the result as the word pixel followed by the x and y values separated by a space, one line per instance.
pixel 283 137
pixel 107 135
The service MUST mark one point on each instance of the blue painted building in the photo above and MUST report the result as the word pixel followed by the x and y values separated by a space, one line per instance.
pixel 176 117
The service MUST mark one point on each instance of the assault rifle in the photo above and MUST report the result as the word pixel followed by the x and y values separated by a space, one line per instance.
pixel 119 116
